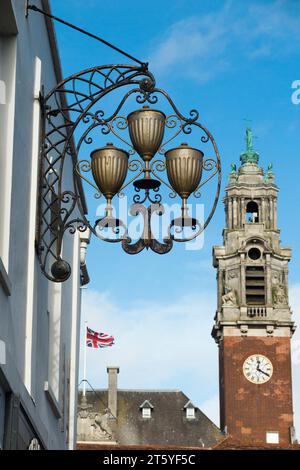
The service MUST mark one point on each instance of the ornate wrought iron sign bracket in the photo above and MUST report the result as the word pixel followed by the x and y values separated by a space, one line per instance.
pixel 71 114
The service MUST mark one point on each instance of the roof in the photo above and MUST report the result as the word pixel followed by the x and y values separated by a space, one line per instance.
pixel 228 443
pixel 146 404
pixel 168 425
pixel 189 404
pixel 106 446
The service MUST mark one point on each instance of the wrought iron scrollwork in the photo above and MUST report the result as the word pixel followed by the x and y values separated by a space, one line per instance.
pixel 64 108
pixel 70 113
pixel 147 239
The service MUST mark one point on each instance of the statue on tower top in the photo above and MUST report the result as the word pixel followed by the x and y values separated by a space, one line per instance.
pixel 249 155
pixel 249 139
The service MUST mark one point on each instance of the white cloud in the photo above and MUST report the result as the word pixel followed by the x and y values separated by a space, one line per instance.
pixel 203 46
pixel 279 19
pixel 190 39
pixel 158 345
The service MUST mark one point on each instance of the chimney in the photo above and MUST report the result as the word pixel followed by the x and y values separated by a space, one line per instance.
pixel 112 389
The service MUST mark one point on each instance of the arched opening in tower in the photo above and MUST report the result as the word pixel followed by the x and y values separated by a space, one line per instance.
pixel 252 214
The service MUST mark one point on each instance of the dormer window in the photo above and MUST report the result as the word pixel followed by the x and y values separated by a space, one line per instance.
pixel 190 413
pixel 146 408
pixel 146 412
pixel 189 410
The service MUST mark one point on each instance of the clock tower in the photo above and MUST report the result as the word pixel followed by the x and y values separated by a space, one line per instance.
pixel 253 323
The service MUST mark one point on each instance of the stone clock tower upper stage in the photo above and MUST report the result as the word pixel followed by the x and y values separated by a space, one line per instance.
pixel 253 324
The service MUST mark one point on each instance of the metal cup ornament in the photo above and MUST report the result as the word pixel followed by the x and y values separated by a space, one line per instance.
pixel 184 169
pixel 146 129
pixel 109 168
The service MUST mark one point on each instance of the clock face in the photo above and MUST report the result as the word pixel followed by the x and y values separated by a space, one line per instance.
pixel 258 369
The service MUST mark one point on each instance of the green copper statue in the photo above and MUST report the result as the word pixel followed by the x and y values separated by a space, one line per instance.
pixel 249 139
pixel 269 177
pixel 249 155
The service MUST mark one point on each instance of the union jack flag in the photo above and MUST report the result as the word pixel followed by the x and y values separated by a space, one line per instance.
pixel 98 340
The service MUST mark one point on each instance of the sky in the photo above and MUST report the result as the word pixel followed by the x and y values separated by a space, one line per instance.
pixel 231 60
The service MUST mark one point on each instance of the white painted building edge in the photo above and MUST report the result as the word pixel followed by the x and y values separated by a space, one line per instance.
pixel 6 180
pixel 75 342
pixel 30 310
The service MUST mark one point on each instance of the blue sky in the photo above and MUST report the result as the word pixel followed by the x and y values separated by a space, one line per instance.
pixel 230 60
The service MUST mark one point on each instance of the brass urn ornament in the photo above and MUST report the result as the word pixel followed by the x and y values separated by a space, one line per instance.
pixel 184 169
pixel 109 168
pixel 146 129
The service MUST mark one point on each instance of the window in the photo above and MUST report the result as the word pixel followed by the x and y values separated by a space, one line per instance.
pixel 254 254
pixel 146 412
pixel 146 408
pixel 2 352
pixel 252 215
pixel 54 321
pixel 272 437
pixel 190 413
pixel 2 415
pixel 189 410
pixel 2 92
pixel 255 285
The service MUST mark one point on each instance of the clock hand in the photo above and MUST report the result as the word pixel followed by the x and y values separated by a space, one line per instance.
pixel 259 370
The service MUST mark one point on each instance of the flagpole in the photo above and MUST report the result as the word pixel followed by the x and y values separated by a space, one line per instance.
pixel 84 360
